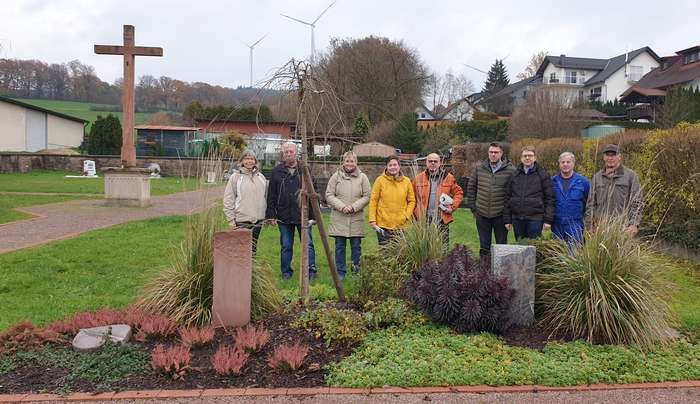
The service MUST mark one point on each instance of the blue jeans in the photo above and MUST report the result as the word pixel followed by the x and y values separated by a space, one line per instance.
pixel 287 244
pixel 531 229
pixel 355 253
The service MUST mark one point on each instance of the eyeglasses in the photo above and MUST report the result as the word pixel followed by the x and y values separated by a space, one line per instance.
pixel 433 161
pixel 528 156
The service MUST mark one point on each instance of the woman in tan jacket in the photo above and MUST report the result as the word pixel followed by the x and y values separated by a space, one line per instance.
pixel 347 194
pixel 245 196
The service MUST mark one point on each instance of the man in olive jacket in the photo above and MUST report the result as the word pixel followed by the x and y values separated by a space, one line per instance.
pixel 486 197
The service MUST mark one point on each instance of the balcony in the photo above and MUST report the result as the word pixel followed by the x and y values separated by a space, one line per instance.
pixel 576 80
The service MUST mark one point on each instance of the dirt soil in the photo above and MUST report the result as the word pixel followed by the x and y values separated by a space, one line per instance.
pixel 256 373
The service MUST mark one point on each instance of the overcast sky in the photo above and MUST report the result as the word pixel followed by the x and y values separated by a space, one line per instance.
pixel 205 40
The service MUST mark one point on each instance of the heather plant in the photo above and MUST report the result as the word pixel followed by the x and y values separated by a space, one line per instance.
pixel 457 292
pixel 155 326
pixel 196 337
pixel 334 325
pixel 251 339
pixel 173 362
pixel 606 291
pixel 288 358
pixel 229 361
pixel 25 336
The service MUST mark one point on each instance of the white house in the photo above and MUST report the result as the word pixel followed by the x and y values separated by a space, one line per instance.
pixel 25 127
pixel 598 79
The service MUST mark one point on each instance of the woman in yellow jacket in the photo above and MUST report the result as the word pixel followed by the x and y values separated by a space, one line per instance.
pixel 391 203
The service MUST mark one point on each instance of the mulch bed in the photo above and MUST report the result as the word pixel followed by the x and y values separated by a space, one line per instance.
pixel 256 373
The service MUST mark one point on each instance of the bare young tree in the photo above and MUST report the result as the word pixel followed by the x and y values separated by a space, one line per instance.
pixel 445 90
pixel 532 66
pixel 546 113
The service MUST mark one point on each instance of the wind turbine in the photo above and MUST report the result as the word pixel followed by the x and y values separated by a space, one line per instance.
pixel 312 25
pixel 251 47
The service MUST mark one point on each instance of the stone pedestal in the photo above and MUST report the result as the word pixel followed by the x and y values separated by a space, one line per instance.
pixel 127 187
pixel 233 267
pixel 517 262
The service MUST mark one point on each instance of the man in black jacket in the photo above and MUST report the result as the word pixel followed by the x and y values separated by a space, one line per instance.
pixel 530 198
pixel 284 211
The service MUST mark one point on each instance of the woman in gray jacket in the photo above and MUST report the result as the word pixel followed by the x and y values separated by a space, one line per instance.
pixel 347 194
pixel 245 196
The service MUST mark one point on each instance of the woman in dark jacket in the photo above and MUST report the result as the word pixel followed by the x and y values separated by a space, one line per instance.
pixel 529 198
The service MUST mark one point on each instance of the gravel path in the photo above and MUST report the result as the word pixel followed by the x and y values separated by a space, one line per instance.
pixel 58 221
pixel 665 396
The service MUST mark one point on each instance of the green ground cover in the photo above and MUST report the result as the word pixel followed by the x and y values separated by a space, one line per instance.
pixel 55 182
pixel 106 268
pixel 82 110
pixel 9 202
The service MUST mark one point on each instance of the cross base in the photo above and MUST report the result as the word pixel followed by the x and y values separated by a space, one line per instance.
pixel 127 187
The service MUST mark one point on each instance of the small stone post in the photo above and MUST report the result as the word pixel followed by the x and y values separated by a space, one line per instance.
pixel 233 268
pixel 517 263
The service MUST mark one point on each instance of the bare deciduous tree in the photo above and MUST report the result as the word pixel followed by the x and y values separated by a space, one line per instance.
pixel 444 90
pixel 546 113
pixel 532 66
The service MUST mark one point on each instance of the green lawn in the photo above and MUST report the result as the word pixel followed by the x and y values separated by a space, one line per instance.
pixel 55 182
pixel 9 202
pixel 82 110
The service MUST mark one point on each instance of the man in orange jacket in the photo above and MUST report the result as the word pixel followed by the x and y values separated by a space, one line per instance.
pixel 437 195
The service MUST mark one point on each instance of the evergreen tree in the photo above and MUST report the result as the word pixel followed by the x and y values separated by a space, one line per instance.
pixel 406 135
pixel 497 78
pixel 361 125
pixel 105 136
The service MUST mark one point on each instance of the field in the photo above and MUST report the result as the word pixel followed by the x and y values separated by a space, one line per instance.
pixel 82 110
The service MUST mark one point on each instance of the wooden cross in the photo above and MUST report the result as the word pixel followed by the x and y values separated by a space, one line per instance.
pixel 130 51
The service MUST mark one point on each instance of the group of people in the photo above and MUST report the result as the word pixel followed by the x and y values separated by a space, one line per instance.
pixel 502 197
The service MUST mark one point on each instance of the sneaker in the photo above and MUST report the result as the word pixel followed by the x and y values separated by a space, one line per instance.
pixel 286 276
pixel 312 274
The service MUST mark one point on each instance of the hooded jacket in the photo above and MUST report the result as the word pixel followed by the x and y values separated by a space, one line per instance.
pixel 245 196
pixel 392 201
pixel 348 189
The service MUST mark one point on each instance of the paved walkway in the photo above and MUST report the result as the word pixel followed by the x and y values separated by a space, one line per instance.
pixel 58 221
pixel 666 396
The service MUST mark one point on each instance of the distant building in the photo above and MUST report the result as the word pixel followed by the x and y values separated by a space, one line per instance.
pixel 28 128
pixel 373 149
pixel 163 140
pixel 458 111
pixel 284 129
pixel 597 79
pixel 681 69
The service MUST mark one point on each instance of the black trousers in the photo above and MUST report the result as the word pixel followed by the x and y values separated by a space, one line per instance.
pixel 487 226
pixel 255 227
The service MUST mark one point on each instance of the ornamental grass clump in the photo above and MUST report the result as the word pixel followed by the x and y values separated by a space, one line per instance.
pixel 458 293
pixel 384 272
pixel 606 291
pixel 184 291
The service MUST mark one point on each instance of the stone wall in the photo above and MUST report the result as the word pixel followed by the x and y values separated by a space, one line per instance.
pixel 26 162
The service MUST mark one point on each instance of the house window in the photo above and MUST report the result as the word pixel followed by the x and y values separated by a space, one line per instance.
pixel 422 114
pixel 571 77
pixel 636 73
pixel 691 58
pixel 595 92
pixel 553 78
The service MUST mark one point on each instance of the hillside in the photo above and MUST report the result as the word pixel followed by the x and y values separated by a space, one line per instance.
pixel 82 110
